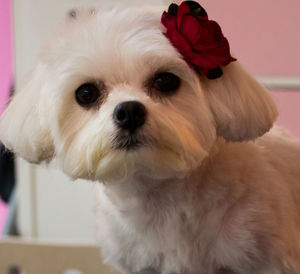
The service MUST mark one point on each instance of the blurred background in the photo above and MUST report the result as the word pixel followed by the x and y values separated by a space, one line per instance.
pixel 264 36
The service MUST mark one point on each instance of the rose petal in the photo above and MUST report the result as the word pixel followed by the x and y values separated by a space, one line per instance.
pixel 168 21
pixel 182 10
pixel 179 41
pixel 205 35
pixel 216 29
pixel 204 60
pixel 190 28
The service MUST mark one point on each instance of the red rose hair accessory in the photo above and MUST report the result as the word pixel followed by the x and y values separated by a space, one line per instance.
pixel 199 40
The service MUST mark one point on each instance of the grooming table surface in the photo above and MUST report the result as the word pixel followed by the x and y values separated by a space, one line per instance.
pixel 35 257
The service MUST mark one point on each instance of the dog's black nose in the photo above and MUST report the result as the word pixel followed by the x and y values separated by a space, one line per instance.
pixel 130 115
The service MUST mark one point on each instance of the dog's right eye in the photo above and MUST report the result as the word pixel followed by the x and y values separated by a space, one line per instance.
pixel 87 94
pixel 166 82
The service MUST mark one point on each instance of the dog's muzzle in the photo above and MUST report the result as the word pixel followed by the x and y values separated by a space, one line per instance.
pixel 129 117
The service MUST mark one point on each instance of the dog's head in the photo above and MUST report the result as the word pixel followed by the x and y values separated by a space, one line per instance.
pixel 111 97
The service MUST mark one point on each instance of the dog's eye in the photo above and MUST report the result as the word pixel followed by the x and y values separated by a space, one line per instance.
pixel 87 94
pixel 166 82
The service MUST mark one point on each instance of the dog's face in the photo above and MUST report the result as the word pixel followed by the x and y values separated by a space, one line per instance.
pixel 112 98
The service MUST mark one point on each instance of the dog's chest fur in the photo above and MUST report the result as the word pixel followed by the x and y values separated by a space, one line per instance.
pixel 167 231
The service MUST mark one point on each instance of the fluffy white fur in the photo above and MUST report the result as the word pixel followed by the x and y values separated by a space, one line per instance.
pixel 210 193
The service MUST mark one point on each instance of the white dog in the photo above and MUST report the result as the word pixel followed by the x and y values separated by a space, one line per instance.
pixel 191 182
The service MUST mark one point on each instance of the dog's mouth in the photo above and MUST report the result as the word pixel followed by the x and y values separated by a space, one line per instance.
pixel 128 141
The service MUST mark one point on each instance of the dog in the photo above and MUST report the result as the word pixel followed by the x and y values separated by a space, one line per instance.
pixel 192 177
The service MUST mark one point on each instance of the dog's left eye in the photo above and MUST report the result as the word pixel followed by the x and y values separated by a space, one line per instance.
pixel 166 82
pixel 87 94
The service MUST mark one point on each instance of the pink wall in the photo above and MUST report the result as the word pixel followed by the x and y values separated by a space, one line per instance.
pixel 264 34
pixel 265 37
pixel 6 63
pixel 288 103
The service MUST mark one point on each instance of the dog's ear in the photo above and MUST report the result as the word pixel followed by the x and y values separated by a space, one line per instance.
pixel 242 108
pixel 24 126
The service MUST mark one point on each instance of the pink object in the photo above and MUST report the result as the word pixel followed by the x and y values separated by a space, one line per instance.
pixel 6 51
pixel 6 74
pixel 3 215
pixel 199 40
